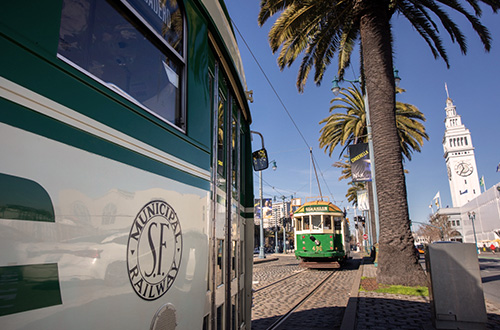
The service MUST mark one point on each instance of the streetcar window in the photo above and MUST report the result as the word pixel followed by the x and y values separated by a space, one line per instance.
pixel 233 312
pixel 338 225
pixel 242 257
pixel 206 320
pixel 306 222
pixel 219 276
pixel 327 222
pixel 220 315
pixel 298 224
pixel 139 57
pixel 233 259
pixel 241 310
pixel 316 221
pixel 235 129
pixel 221 150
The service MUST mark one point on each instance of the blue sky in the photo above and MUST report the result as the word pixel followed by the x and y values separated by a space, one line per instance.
pixel 473 84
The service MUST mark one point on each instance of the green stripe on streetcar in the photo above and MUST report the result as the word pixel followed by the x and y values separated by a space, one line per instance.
pixel 28 287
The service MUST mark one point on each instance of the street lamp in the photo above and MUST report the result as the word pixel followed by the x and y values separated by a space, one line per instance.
pixel 284 219
pixel 472 217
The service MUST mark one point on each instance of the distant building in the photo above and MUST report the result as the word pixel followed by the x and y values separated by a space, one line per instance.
pixel 472 212
pixel 460 160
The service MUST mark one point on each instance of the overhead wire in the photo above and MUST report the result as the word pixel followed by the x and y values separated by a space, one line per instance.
pixel 282 104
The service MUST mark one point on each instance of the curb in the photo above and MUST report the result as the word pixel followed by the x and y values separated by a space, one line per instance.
pixel 349 319
pixel 259 261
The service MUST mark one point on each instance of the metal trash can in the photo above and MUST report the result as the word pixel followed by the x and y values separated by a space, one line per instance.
pixel 456 291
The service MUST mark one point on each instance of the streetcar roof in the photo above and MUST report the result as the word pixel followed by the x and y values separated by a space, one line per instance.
pixel 318 207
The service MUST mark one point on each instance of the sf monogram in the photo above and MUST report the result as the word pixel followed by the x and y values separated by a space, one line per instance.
pixel 154 250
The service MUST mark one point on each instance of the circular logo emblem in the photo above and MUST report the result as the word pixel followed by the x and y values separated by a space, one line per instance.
pixel 154 250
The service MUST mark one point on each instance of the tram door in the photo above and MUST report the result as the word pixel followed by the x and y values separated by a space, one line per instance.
pixel 225 268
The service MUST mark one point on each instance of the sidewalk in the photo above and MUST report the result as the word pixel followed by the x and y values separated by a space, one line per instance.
pixel 269 257
pixel 371 310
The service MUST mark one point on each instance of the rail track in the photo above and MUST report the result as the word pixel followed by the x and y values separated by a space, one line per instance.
pixel 275 302
pixel 282 319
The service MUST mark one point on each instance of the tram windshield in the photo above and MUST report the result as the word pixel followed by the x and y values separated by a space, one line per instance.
pixel 306 223
pixel 338 225
pixel 327 222
pixel 316 222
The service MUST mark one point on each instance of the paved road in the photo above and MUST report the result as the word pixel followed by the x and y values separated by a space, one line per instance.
pixel 323 310
pixel 489 265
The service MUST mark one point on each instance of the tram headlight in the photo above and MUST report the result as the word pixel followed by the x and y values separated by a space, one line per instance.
pixel 312 238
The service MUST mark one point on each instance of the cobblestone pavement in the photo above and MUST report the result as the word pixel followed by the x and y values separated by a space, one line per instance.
pixel 324 310
pixel 268 272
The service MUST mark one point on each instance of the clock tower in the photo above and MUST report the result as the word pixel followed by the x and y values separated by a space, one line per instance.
pixel 459 156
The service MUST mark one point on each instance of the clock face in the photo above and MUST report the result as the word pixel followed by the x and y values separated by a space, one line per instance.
pixel 464 169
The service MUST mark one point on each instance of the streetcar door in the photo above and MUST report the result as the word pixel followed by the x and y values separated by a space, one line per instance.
pixel 226 264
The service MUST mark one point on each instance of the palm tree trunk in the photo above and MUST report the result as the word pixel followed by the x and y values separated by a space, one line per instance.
pixel 397 263
pixel 371 211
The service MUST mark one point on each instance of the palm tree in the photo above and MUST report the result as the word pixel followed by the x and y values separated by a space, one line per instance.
pixel 350 128
pixel 321 29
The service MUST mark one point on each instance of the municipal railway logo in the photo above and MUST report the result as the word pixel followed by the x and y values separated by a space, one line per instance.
pixel 154 250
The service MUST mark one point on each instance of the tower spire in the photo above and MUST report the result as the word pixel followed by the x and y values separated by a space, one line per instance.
pixel 449 101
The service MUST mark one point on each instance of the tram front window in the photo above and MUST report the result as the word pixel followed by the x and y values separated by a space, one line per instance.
pixel 298 224
pixel 338 225
pixel 316 222
pixel 306 223
pixel 327 222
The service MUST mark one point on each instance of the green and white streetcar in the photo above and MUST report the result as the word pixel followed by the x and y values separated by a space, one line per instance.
pixel 321 235
pixel 126 188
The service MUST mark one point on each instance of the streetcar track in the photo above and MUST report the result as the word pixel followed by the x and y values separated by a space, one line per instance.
pixel 278 281
pixel 285 316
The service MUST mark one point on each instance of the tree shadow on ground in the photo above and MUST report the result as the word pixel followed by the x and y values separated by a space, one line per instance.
pixel 314 318
pixel 385 313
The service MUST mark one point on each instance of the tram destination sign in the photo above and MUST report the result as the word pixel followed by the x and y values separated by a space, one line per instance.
pixel 316 208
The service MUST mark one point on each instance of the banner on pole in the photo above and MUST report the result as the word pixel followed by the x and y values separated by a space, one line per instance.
pixel 360 162
pixel 362 196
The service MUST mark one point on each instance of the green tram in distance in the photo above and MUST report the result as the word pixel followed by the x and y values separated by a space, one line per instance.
pixel 126 181
pixel 321 235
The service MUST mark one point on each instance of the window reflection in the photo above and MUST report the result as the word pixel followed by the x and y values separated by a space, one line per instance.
pixel 110 45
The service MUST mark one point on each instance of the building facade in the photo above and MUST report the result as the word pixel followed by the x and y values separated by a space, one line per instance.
pixel 474 217
pixel 460 160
